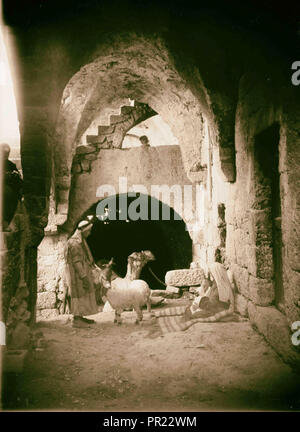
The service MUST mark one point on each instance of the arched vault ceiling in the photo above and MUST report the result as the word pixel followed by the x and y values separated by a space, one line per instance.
pixel 140 69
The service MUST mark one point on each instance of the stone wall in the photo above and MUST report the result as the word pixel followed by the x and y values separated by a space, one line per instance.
pixel 16 295
pixel 50 275
pixel 140 166
pixel 249 241
pixel 10 267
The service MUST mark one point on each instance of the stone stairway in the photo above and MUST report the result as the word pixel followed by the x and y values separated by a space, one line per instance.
pixel 110 136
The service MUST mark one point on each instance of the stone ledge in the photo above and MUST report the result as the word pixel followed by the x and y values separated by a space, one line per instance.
pixel 184 277
pixel 273 325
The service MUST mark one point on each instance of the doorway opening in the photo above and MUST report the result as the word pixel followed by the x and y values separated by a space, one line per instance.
pixel 168 240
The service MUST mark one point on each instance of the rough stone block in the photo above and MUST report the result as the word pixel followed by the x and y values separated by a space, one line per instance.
pixel 261 291
pixel 40 286
pixel 240 246
pixel 46 300
pixel 293 244
pixel 45 314
pixel 185 277
pixel 104 145
pixel 46 284
pixel 126 109
pixel 85 149
pixel 106 130
pixel 261 226
pixel 172 289
pixel 274 327
pixel 292 293
pixel 230 247
pixel 115 119
pixel 241 279
pixel 264 262
pixel 95 139
pixel 241 305
pixel 260 261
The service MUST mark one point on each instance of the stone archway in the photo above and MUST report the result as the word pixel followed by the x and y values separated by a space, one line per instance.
pixel 132 69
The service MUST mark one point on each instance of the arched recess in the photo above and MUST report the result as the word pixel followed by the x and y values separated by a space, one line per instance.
pixel 119 236
pixel 155 171
pixel 132 69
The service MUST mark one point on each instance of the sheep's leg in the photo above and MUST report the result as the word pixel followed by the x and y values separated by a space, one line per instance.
pixel 148 305
pixel 118 316
pixel 139 314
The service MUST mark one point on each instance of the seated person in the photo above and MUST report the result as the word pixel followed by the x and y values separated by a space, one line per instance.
pixel 207 303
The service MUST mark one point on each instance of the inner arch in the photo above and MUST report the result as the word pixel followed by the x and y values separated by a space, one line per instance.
pixel 134 69
pixel 168 240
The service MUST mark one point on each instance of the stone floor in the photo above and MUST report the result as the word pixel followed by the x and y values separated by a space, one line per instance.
pixel 211 366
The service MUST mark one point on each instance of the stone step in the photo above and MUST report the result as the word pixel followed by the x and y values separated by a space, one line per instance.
pixel 84 149
pixel 106 130
pixel 127 109
pixel 116 119
pixel 95 139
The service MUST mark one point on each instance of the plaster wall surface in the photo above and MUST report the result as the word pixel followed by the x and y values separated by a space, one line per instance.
pixel 146 167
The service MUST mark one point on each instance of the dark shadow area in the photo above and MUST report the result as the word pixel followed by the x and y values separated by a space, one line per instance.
pixel 168 240
pixel 266 152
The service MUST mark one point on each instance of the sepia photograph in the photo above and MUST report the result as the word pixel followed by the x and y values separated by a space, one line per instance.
pixel 150 209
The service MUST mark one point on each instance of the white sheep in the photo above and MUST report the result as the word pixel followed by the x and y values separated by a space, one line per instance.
pixel 124 294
